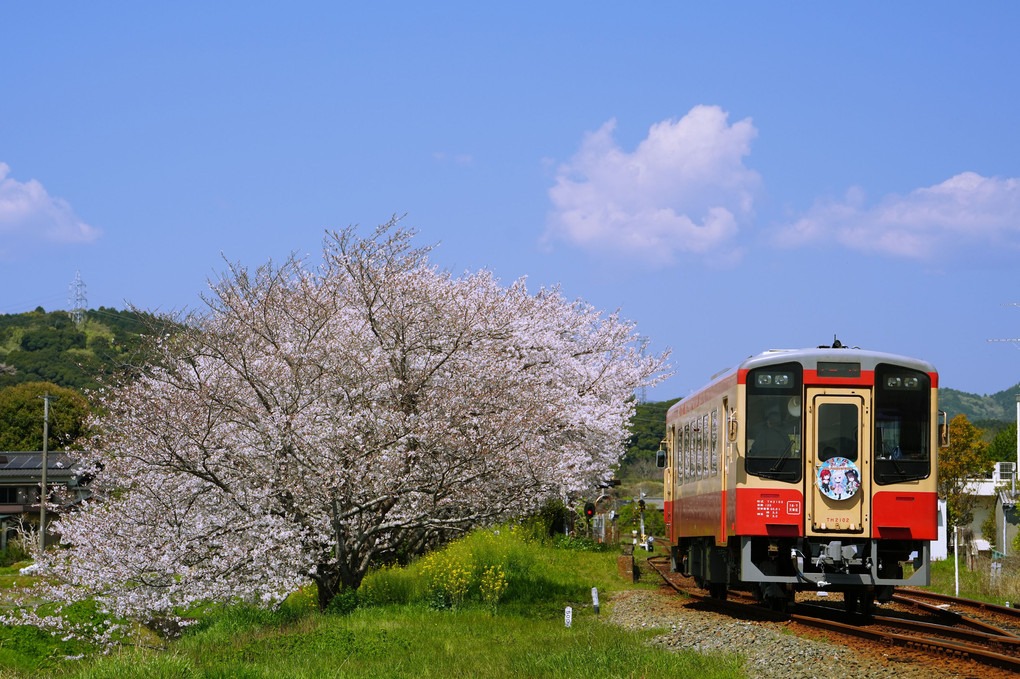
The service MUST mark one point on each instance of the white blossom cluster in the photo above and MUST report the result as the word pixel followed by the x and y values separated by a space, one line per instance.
pixel 315 420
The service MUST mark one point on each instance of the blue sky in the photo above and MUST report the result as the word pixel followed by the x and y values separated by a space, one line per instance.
pixel 734 177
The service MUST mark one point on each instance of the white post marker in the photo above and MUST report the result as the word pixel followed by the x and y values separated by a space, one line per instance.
pixel 568 615
pixel 595 599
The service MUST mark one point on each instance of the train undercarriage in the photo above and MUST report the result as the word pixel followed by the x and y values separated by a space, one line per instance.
pixel 774 569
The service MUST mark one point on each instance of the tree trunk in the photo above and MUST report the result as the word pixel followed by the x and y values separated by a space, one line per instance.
pixel 332 579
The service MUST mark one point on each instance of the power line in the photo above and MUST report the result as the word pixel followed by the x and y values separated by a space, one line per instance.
pixel 1014 341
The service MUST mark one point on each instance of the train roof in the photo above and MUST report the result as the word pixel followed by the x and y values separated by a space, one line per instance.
pixel 810 357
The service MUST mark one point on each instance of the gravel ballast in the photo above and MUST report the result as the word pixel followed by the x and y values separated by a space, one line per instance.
pixel 768 648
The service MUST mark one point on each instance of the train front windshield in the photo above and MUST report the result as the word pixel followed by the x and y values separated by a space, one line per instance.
pixel 902 424
pixel 774 432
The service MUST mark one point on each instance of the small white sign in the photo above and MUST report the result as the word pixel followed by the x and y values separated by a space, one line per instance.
pixel 568 616
pixel 595 599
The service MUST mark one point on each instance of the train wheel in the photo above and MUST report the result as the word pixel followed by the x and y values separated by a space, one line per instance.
pixel 867 604
pixel 717 590
pixel 675 564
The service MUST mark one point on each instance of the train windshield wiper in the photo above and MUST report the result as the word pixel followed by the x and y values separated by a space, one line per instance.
pixel 783 456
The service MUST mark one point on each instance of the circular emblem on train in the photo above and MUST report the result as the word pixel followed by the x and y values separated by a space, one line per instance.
pixel 839 478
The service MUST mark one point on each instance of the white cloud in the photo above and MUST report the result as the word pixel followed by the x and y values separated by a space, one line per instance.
pixel 683 189
pixel 966 213
pixel 28 211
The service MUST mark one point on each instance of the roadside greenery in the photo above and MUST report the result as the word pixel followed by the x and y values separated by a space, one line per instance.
pixel 965 458
pixel 981 582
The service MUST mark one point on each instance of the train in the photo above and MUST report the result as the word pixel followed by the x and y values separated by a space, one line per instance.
pixel 806 470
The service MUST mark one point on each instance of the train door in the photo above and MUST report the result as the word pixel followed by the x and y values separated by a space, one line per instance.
pixel 724 448
pixel 669 481
pixel 838 464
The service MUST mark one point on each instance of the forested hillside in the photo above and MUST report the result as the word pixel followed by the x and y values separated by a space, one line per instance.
pixel 999 406
pixel 41 346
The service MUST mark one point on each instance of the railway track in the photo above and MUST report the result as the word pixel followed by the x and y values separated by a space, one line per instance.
pixel 943 634
pixel 952 606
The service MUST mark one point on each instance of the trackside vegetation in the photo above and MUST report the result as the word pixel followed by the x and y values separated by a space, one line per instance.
pixel 489 605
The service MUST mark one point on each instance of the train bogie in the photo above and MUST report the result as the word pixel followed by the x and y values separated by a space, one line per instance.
pixel 805 469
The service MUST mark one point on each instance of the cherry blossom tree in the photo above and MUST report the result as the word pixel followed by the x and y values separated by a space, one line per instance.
pixel 314 420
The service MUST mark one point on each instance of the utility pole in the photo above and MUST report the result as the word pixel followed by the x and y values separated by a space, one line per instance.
pixel 45 463
pixel 1016 468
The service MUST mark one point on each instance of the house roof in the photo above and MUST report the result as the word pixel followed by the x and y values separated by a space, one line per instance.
pixel 27 466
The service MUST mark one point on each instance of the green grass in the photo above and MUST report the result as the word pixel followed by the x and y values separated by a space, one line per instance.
pixel 406 626
pixel 978 583
pixel 410 641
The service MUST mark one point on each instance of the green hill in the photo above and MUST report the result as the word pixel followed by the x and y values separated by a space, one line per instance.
pixel 41 346
pixel 1000 406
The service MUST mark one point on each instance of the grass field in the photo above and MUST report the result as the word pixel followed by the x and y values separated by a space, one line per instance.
pixel 979 583
pixel 491 605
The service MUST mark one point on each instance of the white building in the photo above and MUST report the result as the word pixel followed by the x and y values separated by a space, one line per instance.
pixel 996 497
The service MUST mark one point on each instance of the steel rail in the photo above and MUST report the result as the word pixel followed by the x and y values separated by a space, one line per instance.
pixel 1008 644
pixel 935 645
pixel 972 603
pixel 963 619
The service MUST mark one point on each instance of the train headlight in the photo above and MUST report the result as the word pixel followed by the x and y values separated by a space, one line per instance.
pixel 902 382
pixel 778 380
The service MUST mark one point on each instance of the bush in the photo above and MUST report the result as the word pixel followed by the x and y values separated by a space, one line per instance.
pixel 344 603
pixel 581 544
pixel 478 568
pixel 388 585
pixel 14 553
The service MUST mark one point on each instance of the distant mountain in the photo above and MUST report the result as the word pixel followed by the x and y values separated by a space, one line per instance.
pixel 999 406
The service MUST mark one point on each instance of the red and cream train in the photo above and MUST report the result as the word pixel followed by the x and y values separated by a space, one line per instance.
pixel 810 469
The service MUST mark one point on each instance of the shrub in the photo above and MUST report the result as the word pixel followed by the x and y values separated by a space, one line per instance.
pixel 14 553
pixel 388 585
pixel 581 544
pixel 344 603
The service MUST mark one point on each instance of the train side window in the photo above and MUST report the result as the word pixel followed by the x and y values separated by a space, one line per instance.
pixel 685 436
pixel 692 451
pixel 678 453
pixel 687 451
pixel 672 447
pixel 715 442
pixel 706 445
pixel 697 448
